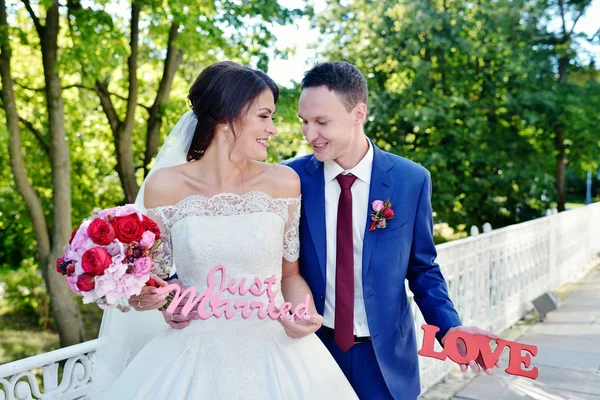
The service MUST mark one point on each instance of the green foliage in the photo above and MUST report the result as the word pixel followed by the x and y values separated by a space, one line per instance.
pixel 25 292
pixel 94 45
pixel 464 89
pixel 289 141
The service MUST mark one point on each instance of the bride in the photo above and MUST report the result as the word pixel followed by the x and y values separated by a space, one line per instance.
pixel 217 205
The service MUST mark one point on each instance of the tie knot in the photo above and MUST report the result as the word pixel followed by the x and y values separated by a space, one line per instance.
pixel 346 181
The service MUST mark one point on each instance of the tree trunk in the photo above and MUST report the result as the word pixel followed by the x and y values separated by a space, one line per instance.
pixel 123 130
pixel 19 170
pixel 155 114
pixel 559 141
pixel 564 58
pixel 126 165
pixel 64 305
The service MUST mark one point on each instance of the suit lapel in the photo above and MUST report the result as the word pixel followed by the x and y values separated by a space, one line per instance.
pixel 381 188
pixel 315 212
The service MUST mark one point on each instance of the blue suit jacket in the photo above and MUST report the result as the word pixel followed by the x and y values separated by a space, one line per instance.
pixel 403 250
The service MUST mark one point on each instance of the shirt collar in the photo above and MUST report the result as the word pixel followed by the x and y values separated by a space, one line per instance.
pixel 362 170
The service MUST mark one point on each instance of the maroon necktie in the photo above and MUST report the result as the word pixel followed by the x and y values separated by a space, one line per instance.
pixel 343 333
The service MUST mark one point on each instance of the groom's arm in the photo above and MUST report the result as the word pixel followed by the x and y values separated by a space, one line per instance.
pixel 424 276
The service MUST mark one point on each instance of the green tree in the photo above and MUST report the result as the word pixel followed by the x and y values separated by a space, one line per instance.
pixel 113 52
pixel 462 88
pixel 50 241
pixel 566 132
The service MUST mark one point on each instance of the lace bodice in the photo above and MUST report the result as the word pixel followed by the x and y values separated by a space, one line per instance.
pixel 249 234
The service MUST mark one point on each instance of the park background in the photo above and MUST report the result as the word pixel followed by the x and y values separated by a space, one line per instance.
pixel 499 99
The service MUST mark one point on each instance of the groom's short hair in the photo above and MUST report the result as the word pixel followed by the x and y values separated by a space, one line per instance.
pixel 341 77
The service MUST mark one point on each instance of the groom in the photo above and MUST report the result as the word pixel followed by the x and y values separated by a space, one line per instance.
pixel 357 274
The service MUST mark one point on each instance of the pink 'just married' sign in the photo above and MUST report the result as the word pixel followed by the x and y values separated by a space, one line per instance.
pixel 477 346
pixel 211 298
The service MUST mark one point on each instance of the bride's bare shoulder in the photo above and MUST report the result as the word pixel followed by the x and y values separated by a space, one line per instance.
pixel 164 187
pixel 283 181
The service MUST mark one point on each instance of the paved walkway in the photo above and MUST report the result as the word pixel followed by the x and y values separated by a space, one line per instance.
pixel 568 357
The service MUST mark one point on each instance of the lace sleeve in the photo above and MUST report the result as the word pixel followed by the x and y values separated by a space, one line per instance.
pixel 162 254
pixel 291 234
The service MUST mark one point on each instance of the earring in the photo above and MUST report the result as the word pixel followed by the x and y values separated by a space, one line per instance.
pixel 226 128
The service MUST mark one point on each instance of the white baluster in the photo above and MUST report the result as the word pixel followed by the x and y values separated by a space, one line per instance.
pixel 50 376
pixel 487 227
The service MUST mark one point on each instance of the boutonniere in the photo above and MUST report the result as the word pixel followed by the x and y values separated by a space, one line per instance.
pixel 382 211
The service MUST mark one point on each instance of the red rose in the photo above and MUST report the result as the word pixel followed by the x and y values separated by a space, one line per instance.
pixel 101 232
pixel 151 226
pixel 387 213
pixel 128 229
pixel 73 234
pixel 85 282
pixel 96 260
pixel 152 282
pixel 58 265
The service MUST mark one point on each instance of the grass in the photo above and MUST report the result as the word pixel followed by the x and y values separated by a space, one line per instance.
pixel 22 335
pixel 574 205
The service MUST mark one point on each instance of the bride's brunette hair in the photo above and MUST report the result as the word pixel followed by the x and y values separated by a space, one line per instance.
pixel 223 93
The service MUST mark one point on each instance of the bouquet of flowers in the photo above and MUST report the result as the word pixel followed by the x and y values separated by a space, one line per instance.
pixel 112 255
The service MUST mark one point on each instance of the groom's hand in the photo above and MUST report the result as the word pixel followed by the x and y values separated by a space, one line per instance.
pixel 476 365
pixel 297 329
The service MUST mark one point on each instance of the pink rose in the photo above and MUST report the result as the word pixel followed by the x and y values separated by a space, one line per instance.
pixel 143 266
pixel 377 205
pixel 152 226
pixel 147 239
pixel 72 282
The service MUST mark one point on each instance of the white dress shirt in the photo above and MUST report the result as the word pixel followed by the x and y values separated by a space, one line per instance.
pixel 360 201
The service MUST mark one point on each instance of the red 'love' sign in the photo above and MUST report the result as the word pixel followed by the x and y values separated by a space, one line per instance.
pixel 478 348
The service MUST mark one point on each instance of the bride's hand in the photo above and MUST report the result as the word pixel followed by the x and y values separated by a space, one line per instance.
pixel 148 299
pixel 299 329
pixel 176 320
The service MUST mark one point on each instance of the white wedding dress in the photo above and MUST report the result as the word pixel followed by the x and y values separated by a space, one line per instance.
pixel 239 358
